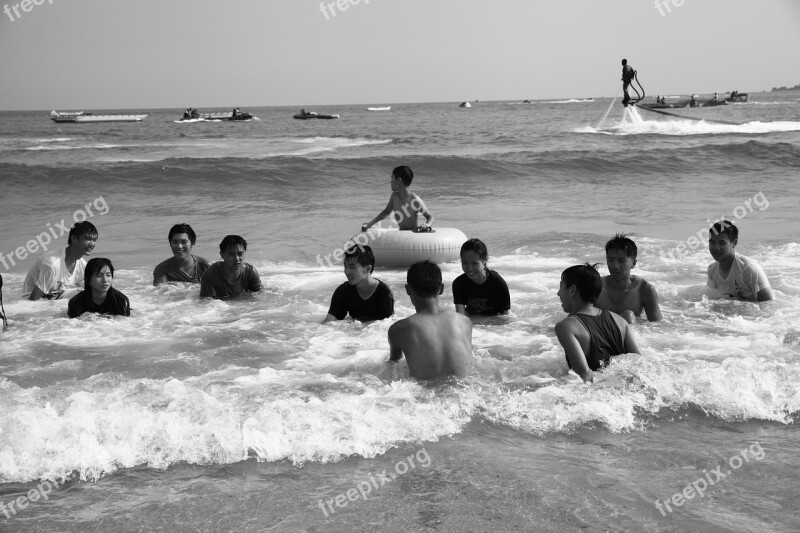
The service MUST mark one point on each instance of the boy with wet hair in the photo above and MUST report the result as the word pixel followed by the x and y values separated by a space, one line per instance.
pixel 183 266
pixel 623 293
pixel 435 342
pixel 364 297
pixel 733 275
pixel 589 336
pixel 404 206
pixel 59 274
pixel 232 276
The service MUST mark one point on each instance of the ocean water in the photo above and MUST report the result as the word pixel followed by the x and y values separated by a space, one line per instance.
pixel 252 416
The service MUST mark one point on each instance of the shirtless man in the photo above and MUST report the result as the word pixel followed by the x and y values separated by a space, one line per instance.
pixel 590 337
pixel 623 293
pixel 403 205
pixel 435 342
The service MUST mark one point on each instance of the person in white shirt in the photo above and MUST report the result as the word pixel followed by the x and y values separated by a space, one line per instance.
pixel 59 274
pixel 733 275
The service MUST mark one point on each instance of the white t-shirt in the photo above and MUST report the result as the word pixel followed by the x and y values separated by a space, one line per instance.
pixel 744 281
pixel 49 273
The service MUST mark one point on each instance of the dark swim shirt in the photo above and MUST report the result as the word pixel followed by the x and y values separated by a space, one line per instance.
pixel 347 300
pixel 489 298
pixel 605 339
pixel 213 283
pixel 115 303
pixel 168 271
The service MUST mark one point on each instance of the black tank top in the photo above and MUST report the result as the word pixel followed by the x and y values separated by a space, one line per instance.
pixel 605 339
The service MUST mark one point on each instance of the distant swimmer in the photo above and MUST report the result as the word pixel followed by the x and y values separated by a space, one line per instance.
pixel 404 206
pixel 590 336
pixel 232 276
pixel 435 342
pixel 732 275
pixel 183 266
pixel 479 290
pixel 365 298
pixel 627 77
pixel 98 295
pixel 623 293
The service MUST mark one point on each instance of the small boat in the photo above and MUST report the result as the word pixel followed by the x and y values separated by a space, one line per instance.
pixel 386 108
pixel 305 115
pixel 465 104
pixel 235 115
pixel 737 97
pixel 713 103
pixel 664 105
pixel 80 116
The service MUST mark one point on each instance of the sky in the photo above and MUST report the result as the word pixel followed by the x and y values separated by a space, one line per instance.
pixel 148 54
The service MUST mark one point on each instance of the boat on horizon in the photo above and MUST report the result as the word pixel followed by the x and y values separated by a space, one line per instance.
pixel 305 115
pixel 191 115
pixel 385 108
pixel 80 116
pixel 465 104
pixel 664 105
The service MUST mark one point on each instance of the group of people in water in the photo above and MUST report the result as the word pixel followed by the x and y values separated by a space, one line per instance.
pixel 434 341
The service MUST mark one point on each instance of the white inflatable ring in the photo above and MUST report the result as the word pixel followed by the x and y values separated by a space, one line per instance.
pixel 393 247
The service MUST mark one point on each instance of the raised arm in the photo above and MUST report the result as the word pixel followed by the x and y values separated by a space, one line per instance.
pixel 572 349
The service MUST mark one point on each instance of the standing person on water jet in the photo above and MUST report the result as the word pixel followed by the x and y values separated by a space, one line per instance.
pixel 627 77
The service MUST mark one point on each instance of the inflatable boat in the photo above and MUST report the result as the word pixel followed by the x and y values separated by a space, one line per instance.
pixel 395 248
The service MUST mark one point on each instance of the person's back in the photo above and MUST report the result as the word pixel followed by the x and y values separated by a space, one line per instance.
pixel 435 342
pixel 589 336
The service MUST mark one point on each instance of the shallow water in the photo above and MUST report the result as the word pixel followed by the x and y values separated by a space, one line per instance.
pixel 161 417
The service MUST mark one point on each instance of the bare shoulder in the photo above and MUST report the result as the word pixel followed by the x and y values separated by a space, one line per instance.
pixel 399 327
pixel 621 323
pixel 567 325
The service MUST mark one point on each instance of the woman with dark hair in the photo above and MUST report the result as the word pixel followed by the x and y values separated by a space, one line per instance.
pixel 98 295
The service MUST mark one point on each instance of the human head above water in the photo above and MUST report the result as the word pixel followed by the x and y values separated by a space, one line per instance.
pixel 726 228
pixel 586 279
pixel 182 228
pixel 93 266
pixel 477 246
pixel 425 279
pixel 230 241
pixel 361 255
pixel 620 241
pixel 624 62
pixel 404 173
pixel 79 229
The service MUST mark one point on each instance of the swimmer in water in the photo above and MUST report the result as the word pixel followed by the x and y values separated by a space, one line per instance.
pixel 365 298
pixel 183 266
pixel 589 336
pixel 479 290
pixel 98 295
pixel 435 342
pixel 623 293
pixel 232 276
